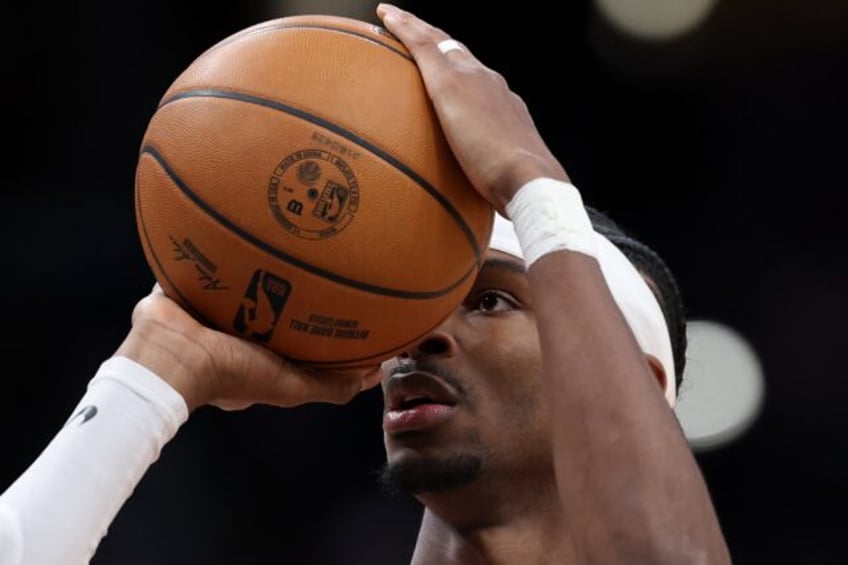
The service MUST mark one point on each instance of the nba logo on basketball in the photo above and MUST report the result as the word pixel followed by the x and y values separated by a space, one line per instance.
pixel 337 168
pixel 261 305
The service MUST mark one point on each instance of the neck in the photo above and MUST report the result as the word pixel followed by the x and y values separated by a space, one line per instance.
pixel 524 527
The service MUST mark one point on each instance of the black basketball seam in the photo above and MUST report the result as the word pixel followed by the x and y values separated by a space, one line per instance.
pixel 347 134
pixel 284 26
pixel 329 275
pixel 185 303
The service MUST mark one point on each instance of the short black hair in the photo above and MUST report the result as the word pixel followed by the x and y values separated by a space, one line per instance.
pixel 660 280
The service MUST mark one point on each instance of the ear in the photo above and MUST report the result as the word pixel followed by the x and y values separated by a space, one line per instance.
pixel 660 376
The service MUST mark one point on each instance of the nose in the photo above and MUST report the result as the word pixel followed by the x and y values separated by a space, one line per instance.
pixel 440 342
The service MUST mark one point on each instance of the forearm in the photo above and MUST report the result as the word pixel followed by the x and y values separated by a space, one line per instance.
pixel 622 461
pixel 61 506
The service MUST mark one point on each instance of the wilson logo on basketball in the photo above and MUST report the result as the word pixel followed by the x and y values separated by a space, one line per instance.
pixel 313 194
pixel 354 172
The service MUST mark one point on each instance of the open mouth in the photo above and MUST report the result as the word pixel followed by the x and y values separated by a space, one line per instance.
pixel 405 392
pixel 416 401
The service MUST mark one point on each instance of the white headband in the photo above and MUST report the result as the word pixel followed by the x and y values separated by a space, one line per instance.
pixel 630 291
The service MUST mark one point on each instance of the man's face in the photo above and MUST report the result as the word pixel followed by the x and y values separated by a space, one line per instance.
pixel 467 401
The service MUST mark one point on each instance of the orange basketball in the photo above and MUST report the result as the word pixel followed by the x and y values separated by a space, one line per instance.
pixel 294 188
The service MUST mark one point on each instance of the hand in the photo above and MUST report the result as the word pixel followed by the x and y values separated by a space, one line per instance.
pixel 487 125
pixel 211 367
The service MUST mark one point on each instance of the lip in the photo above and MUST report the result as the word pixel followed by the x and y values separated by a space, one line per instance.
pixel 416 401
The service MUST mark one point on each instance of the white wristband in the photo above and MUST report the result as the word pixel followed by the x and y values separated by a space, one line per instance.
pixel 552 217
pixel 548 216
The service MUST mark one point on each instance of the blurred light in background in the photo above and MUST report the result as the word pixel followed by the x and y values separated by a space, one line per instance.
pixel 723 386
pixel 655 19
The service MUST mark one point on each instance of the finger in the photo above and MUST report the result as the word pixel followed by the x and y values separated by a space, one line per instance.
pixel 143 306
pixel 148 303
pixel 373 379
pixel 301 386
pixel 423 40
pixel 336 390
pixel 450 45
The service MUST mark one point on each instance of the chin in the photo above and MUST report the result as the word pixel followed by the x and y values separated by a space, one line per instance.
pixel 418 474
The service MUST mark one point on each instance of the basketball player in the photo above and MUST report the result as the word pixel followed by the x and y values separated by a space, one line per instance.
pixel 535 424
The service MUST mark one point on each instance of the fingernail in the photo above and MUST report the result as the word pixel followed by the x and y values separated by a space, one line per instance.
pixel 386 10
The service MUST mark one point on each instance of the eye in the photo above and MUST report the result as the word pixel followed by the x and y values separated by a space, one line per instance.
pixel 491 301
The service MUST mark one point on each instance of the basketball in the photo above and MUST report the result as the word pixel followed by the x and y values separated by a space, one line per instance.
pixel 294 188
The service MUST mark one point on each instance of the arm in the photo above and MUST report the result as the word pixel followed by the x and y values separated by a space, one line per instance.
pixel 59 509
pixel 61 506
pixel 621 460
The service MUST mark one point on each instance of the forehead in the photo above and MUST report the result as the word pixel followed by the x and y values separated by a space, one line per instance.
pixel 500 260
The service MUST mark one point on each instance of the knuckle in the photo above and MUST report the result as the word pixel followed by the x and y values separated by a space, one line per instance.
pixel 344 394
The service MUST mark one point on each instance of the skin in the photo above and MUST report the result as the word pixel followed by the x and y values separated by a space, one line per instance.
pixel 491 348
pixel 208 367
pixel 583 459
pixel 626 481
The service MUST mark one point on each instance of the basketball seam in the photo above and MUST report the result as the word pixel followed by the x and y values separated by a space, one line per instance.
pixel 329 275
pixel 285 26
pixel 185 303
pixel 350 136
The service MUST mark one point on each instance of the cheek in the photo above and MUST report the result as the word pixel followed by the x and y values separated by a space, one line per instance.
pixel 513 373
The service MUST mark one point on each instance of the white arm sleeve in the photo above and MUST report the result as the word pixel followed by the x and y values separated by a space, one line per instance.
pixel 60 508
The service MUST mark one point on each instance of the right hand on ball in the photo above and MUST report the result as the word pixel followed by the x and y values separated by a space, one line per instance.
pixel 487 125
pixel 210 367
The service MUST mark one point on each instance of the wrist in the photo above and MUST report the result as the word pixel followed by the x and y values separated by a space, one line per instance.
pixel 171 356
pixel 524 168
pixel 548 215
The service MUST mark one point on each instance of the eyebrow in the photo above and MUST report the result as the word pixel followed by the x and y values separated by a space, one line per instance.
pixel 506 264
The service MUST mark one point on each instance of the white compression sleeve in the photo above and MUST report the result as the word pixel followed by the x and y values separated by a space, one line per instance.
pixel 60 508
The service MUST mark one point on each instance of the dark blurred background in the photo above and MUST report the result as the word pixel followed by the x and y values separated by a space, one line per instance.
pixel 722 147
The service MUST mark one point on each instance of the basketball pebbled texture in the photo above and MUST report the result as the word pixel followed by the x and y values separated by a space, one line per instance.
pixel 294 187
